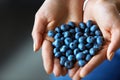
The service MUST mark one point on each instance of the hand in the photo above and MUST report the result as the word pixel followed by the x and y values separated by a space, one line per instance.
pixel 51 14
pixel 106 14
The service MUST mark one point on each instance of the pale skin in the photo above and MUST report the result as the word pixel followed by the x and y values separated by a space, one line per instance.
pixel 53 13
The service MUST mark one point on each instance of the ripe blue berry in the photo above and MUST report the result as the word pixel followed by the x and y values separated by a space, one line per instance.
pixel 57 43
pixel 88 45
pixel 81 46
pixel 82 39
pixel 72 31
pixel 66 34
pixel 89 23
pixel 85 52
pixel 78 34
pixel 81 63
pixel 67 41
pixel 71 58
pixel 71 24
pixel 68 64
pixel 63 49
pixel 98 33
pixel 90 39
pixel 87 30
pixel 55 50
pixel 57 29
pixel 77 29
pixel 88 57
pixel 86 34
pixel 62 60
pixel 99 40
pixel 58 54
pixel 80 56
pixel 73 45
pixel 69 52
pixel 51 33
pixel 82 25
pixel 76 51
pixel 64 27
pixel 57 36
pixel 92 51
pixel 93 28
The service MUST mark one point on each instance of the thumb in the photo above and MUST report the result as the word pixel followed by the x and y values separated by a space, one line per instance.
pixel 38 31
pixel 115 42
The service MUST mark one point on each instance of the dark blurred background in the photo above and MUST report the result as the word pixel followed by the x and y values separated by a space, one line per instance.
pixel 17 59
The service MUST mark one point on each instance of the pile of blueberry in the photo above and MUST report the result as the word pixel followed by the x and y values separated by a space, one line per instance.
pixel 76 43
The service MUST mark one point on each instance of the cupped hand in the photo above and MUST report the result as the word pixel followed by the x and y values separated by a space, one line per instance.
pixel 106 14
pixel 51 14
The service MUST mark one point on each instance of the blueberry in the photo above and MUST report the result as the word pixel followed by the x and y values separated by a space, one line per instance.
pixel 78 34
pixel 82 25
pixel 67 41
pixel 82 39
pixel 97 46
pixel 55 50
pixel 73 45
pixel 77 29
pixel 81 63
pixel 88 57
pixel 81 46
pixel 76 51
pixel 66 34
pixel 72 31
pixel 88 45
pixel 58 54
pixel 93 28
pixel 57 36
pixel 85 52
pixel 87 30
pixel 63 49
pixel 57 29
pixel 62 60
pixel 92 51
pixel 64 27
pixel 80 56
pixel 71 58
pixel 62 38
pixel 99 40
pixel 76 41
pixel 69 52
pixel 90 39
pixel 86 34
pixel 98 33
pixel 68 64
pixel 71 24
pixel 57 43
pixel 89 23
pixel 51 33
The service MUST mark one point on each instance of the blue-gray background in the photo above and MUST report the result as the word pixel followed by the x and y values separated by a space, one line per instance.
pixel 17 59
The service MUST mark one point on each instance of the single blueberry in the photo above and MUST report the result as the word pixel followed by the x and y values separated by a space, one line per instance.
pixel 68 64
pixel 88 45
pixel 69 52
pixel 66 34
pixel 82 39
pixel 58 54
pixel 71 24
pixel 92 51
pixel 51 33
pixel 57 35
pixel 67 41
pixel 97 46
pixel 90 39
pixel 99 40
pixel 57 43
pixel 81 46
pixel 85 52
pixel 81 63
pixel 55 50
pixel 78 34
pixel 62 38
pixel 71 58
pixel 76 41
pixel 82 25
pixel 64 27
pixel 86 34
pixel 62 60
pixel 57 29
pixel 98 33
pixel 77 29
pixel 88 57
pixel 93 28
pixel 76 51
pixel 80 56
pixel 87 30
pixel 72 31
pixel 63 49
pixel 89 23
pixel 73 45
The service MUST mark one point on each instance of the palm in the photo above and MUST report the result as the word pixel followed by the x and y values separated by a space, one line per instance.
pixel 52 14
pixel 105 14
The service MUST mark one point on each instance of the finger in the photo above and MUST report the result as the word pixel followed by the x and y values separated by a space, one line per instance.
pixel 64 71
pixel 94 62
pixel 57 67
pixel 38 31
pixel 77 76
pixel 47 56
pixel 73 70
pixel 115 42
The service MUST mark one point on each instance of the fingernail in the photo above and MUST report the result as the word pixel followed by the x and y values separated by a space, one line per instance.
pixel 34 47
pixel 82 74
pixel 111 56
